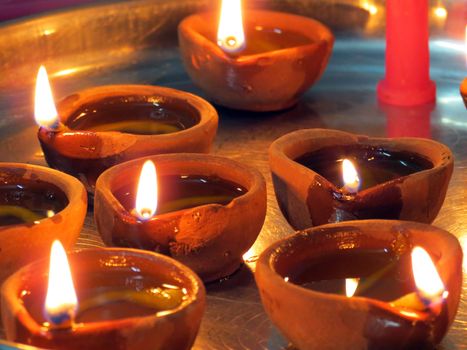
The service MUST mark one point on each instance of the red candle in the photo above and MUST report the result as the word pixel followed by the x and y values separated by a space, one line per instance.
pixel 407 81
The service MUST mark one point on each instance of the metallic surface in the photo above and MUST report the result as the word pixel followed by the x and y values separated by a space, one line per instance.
pixel 135 42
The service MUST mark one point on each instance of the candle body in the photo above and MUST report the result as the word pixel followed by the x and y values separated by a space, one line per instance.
pixel 407 80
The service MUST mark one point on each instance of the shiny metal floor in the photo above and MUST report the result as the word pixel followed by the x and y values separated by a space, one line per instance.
pixel 134 43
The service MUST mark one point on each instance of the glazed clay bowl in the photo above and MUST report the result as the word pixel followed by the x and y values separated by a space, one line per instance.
pixel 308 199
pixel 106 268
pixel 22 243
pixel 85 154
pixel 317 320
pixel 265 81
pixel 464 91
pixel 210 239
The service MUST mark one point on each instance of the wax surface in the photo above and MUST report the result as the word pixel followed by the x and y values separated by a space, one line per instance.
pixel 374 165
pixel 261 39
pixel 143 115
pixel 383 275
pixel 28 201
pixel 177 192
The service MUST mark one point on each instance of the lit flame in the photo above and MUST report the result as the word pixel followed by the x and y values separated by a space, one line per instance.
pixel 350 176
pixel 61 302
pixel 440 12
pixel 45 112
pixel 230 33
pixel 351 285
pixel 371 8
pixel 426 276
pixel 146 196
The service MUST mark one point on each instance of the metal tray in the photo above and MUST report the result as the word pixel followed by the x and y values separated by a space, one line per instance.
pixel 135 42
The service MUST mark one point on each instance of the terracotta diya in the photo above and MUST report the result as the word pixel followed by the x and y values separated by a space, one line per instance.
pixel 262 64
pixel 97 128
pixel 403 178
pixel 209 212
pixel 111 299
pixel 37 206
pixel 464 91
pixel 371 284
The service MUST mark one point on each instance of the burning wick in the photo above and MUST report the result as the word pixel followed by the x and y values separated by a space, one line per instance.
pixel 146 195
pixel 61 303
pixel 230 33
pixel 45 112
pixel 351 285
pixel 430 288
pixel 440 12
pixel 427 280
pixel 350 177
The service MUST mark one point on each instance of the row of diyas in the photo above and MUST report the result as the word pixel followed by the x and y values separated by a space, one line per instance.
pixel 371 253
pixel 263 63
pixel 365 284
pixel 123 220
pixel 210 209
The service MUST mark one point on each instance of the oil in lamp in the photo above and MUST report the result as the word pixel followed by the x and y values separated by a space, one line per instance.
pixel 362 285
pixel 205 211
pixel 111 298
pixel 37 206
pixel 93 129
pixel 402 178
pixel 258 61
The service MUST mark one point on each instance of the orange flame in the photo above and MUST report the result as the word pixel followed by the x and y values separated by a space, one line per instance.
pixel 45 111
pixel 440 12
pixel 61 301
pixel 230 33
pixel 426 276
pixel 370 7
pixel 351 285
pixel 146 196
pixel 350 176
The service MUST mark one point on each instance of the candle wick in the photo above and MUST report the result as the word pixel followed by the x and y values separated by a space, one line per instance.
pixel 57 126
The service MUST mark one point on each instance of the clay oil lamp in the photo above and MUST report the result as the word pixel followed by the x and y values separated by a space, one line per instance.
pixel 464 91
pixel 37 206
pixel 262 61
pixel 371 284
pixel 205 211
pixel 97 128
pixel 323 176
pixel 111 299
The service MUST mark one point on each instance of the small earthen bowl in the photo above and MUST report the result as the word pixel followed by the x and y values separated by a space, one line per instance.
pixel 308 199
pixel 112 268
pixel 210 239
pixel 316 320
pixel 22 243
pixel 266 81
pixel 85 154
pixel 464 91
